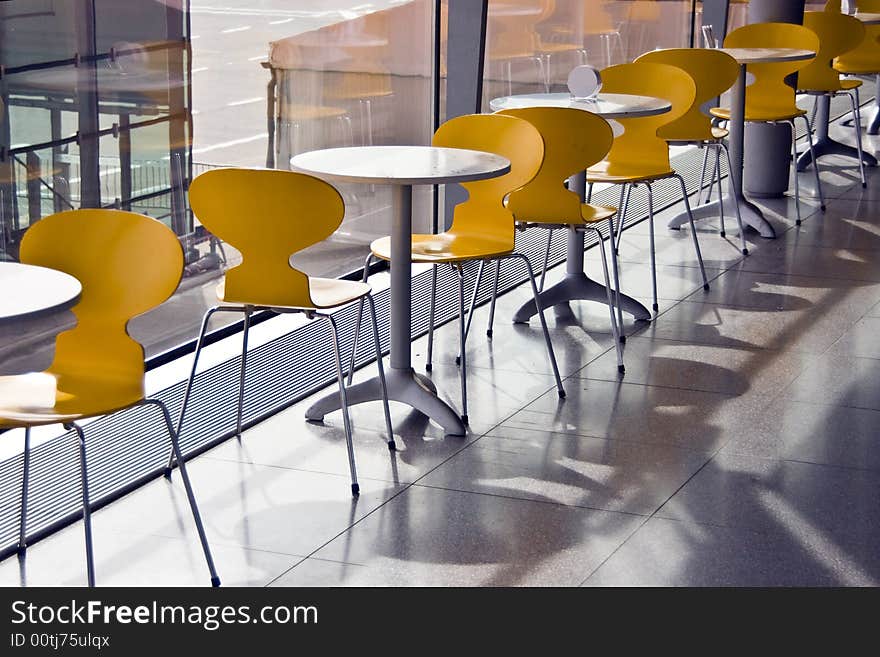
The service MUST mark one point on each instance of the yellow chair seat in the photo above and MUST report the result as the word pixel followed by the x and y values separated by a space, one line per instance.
pixel 324 292
pixel 593 213
pixel 47 398
pixel 616 173
pixel 720 133
pixel 758 116
pixel 849 84
pixel 447 247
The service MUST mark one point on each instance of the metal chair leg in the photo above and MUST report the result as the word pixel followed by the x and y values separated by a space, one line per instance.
pixel 687 205
pixel 815 162
pixel 546 258
pixel 187 486
pixel 656 305
pixel 616 268
pixel 357 323
pixel 343 401
pixel 473 304
pixel 539 306
pixel 615 331
pixel 703 175
pixel 25 477
pixel 857 124
pixel 494 298
pixel 244 348
pixel 797 185
pixel 621 216
pixel 720 190
pixel 388 426
pixel 739 222
pixel 87 508
pixel 192 375
pixel 462 336
pixel 429 364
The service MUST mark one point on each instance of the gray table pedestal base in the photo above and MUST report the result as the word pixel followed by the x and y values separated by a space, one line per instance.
pixel 577 287
pixel 825 145
pixel 751 215
pixel 404 386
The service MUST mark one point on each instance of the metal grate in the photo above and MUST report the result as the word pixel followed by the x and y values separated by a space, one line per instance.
pixel 130 448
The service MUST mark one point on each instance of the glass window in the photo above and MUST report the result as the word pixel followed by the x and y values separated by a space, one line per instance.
pixel 120 106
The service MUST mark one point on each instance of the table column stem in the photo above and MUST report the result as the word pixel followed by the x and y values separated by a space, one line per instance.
pixel 401 276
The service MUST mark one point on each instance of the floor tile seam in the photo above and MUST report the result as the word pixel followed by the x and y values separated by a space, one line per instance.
pixel 832 466
pixel 652 515
pixel 625 441
pixel 515 498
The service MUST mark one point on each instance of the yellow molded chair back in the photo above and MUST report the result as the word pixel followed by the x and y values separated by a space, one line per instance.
pixel 127 264
pixel 713 72
pixel 639 149
pixel 865 57
pixel 769 96
pixel 484 214
pixel 268 216
pixel 838 34
pixel 574 140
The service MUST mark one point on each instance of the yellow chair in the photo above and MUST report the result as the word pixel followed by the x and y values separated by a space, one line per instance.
pixel 838 34
pixel 482 227
pixel 268 216
pixel 864 59
pixel 640 156
pixel 574 140
pixel 769 99
pixel 98 367
pixel 713 72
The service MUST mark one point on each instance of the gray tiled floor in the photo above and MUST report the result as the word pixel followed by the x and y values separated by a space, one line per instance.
pixel 741 447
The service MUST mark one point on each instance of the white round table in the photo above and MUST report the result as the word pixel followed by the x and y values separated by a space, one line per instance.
pixel 401 167
pixel 28 292
pixel 577 286
pixel 750 213
pixel 608 106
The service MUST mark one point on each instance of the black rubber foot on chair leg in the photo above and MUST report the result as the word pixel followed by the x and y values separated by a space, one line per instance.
pixel 458 360
pixel 823 207
pixel 355 490
pixel 428 367
pixel 656 307
pixel 215 582
pixel 621 369
pixel 392 446
pixel 489 333
pixel 706 287
pixel 864 185
pixel 167 473
pixel 464 419
pixel 745 252
pixel 723 234
pixel 561 393
pixel 622 339
pixel 798 222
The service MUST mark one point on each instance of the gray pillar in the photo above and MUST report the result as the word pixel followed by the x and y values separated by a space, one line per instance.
pixel 465 51
pixel 87 96
pixel 768 146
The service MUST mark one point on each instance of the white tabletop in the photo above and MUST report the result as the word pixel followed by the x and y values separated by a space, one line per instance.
pixel 27 291
pixel 868 19
pixel 609 106
pixel 400 165
pixel 768 55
